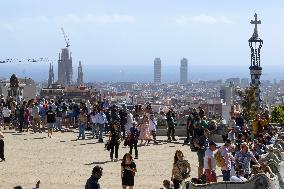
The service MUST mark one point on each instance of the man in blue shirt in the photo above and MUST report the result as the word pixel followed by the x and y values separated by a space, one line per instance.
pixel 92 182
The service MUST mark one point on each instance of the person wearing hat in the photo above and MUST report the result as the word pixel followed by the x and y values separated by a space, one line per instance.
pixel 2 146
pixel 210 163
pixel 93 181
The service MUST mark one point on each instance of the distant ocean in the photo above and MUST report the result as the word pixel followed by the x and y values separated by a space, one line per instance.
pixel 139 73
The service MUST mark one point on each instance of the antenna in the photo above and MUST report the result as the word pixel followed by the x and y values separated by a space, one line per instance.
pixel 65 38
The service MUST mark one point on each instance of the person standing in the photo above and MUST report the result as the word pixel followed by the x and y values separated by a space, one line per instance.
pixel 2 147
pixel 20 115
pixel 144 131
pixel 50 121
pixel 6 112
pixel 101 120
pixel 82 121
pixel 36 117
pixel 93 181
pixel 58 124
pixel 128 170
pixel 114 140
pixel 94 125
pixel 189 127
pixel 171 125
pixel 181 169
pixel 227 156
pixel 153 127
pixel 201 143
pixel 210 163
pixel 243 159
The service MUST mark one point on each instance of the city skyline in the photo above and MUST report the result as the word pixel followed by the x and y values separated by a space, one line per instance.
pixel 212 35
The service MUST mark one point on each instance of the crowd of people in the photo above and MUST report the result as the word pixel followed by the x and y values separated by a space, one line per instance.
pixel 239 158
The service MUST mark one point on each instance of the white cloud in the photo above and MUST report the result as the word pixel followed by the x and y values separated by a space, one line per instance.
pixel 77 19
pixel 202 19
pixel 72 19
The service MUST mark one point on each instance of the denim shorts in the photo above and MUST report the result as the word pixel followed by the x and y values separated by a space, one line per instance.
pixel 50 125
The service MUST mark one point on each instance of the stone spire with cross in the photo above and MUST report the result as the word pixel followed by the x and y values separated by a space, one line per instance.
pixel 255 33
pixel 255 44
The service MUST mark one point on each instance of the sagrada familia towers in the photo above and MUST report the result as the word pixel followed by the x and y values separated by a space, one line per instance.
pixel 65 70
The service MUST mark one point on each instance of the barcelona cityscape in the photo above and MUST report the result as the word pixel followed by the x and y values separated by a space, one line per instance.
pixel 141 94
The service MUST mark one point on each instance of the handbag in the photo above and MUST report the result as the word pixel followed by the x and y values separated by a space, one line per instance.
pixel 184 175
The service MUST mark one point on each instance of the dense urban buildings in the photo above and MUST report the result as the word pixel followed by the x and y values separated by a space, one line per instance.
pixel 183 71
pixel 157 70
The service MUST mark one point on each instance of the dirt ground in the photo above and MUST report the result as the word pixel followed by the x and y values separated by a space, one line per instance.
pixel 66 163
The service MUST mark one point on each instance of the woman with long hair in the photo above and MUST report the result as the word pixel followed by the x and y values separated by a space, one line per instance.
pixel 144 131
pixel 114 140
pixel 181 169
pixel 128 170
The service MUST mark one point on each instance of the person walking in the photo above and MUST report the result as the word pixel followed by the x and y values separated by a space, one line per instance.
pixel 93 181
pixel 2 146
pixel 128 170
pixel 82 121
pixel 101 120
pixel 133 140
pixel 50 121
pixel 114 140
pixel 181 169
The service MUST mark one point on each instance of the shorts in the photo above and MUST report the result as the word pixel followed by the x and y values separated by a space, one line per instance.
pixel 50 125
pixel 7 120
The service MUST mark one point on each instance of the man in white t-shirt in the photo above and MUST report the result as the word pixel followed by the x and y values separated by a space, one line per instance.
pixel 239 178
pixel 210 163
pixel 6 116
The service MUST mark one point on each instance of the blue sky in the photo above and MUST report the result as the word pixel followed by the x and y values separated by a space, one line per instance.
pixel 119 36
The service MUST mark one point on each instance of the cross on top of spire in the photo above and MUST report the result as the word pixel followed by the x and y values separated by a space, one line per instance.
pixel 255 22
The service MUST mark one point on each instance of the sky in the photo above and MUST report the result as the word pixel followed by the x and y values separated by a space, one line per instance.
pixel 118 40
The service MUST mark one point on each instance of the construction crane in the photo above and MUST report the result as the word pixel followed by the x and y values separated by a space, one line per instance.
pixel 65 38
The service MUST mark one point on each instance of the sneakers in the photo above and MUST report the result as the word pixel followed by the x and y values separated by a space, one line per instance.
pixel 101 140
pixel 136 157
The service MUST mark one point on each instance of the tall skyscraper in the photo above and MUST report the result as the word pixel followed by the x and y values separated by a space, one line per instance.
pixel 80 75
pixel 183 71
pixel 157 70
pixel 65 69
pixel 50 76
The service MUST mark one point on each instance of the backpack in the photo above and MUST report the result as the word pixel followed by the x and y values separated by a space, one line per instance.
pixel 220 161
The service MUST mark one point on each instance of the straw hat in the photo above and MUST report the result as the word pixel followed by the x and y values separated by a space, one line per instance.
pixel 1 135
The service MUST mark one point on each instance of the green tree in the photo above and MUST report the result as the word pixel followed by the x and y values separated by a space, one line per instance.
pixel 248 102
pixel 277 115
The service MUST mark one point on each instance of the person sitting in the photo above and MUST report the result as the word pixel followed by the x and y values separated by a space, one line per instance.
pixel 240 177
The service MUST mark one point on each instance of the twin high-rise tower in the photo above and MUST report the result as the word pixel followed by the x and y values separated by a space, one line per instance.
pixel 183 70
